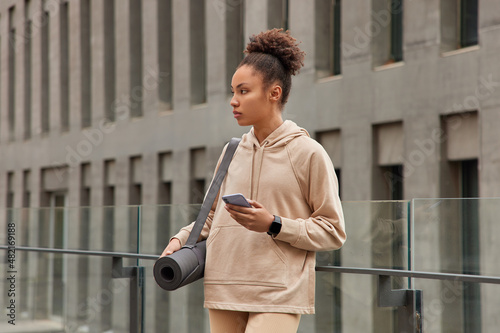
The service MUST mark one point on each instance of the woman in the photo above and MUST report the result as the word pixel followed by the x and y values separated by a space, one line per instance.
pixel 260 264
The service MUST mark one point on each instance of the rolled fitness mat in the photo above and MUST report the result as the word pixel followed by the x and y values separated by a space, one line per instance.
pixel 180 268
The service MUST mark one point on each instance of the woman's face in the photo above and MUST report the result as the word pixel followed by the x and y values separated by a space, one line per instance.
pixel 251 103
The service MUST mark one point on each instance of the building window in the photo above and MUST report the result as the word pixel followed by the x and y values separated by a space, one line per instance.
pixel 165 58
pixel 135 191
pixel 10 191
pixel 470 244
pixel 468 23
pixel 45 84
pixel 393 179
pixel 387 185
pixel 109 201
pixel 108 227
pixel 277 14
pixel 26 200
pixel 86 114
pixel 397 30
pixel 25 231
pixel 109 60
pixel 166 176
pixel 27 71
pixel 198 174
pixel 84 233
pixel 197 51
pixel 387 32
pixel 135 194
pixel 12 75
pixel 331 142
pixel 461 245
pixel 459 24
pixel 59 227
pixel 327 37
pixel 135 33
pixel 235 40
pixel 388 180
pixel 64 65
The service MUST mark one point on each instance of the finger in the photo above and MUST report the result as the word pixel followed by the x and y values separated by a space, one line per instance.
pixel 237 209
pixel 255 204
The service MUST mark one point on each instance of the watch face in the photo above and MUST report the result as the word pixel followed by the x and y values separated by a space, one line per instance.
pixel 275 227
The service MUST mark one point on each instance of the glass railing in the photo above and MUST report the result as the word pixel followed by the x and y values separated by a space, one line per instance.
pixel 458 236
pixel 60 276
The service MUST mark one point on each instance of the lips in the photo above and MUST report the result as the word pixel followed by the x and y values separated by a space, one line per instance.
pixel 236 114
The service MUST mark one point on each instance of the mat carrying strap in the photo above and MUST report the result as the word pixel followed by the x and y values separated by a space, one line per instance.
pixel 212 193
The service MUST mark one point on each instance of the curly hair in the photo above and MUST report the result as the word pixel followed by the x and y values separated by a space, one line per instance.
pixel 276 55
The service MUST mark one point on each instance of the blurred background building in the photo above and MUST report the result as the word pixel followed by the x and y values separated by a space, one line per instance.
pixel 126 102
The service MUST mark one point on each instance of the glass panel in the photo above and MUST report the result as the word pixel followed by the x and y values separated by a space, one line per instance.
pixel 452 306
pixel 160 223
pixel 181 310
pixel 173 311
pixel 377 236
pixel 77 293
pixel 456 235
pixel 85 298
pixel 80 228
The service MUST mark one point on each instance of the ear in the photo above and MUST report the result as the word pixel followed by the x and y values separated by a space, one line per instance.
pixel 276 92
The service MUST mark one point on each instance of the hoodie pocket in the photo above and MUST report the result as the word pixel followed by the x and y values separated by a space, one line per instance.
pixel 238 256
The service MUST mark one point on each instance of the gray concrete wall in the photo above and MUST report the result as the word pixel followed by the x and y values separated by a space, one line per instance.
pixel 427 85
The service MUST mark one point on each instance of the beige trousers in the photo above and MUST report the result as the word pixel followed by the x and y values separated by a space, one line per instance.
pixel 223 321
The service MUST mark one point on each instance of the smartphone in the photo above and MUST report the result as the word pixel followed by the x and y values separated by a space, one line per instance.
pixel 236 199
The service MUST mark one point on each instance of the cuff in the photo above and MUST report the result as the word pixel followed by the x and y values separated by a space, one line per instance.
pixel 290 231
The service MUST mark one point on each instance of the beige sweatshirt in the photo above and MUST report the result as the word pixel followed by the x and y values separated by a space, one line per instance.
pixel 293 177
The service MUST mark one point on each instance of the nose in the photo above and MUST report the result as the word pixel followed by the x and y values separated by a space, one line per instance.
pixel 234 102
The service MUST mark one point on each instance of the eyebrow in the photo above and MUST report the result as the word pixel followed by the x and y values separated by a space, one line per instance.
pixel 239 85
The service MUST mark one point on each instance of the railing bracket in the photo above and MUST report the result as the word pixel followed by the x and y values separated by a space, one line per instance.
pixel 136 276
pixel 408 301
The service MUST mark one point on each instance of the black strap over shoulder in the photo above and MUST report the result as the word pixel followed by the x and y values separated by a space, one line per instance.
pixel 212 193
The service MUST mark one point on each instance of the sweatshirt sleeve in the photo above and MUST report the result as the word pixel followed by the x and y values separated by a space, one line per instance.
pixel 324 230
pixel 184 233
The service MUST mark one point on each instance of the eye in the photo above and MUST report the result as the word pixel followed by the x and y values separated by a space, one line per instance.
pixel 243 91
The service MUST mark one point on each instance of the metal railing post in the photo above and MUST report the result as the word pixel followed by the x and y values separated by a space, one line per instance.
pixel 408 301
pixel 136 276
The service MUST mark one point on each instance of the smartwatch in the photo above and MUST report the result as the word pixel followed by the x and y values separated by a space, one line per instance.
pixel 275 227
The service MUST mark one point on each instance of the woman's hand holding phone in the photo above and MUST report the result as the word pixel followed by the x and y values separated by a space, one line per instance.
pixel 253 216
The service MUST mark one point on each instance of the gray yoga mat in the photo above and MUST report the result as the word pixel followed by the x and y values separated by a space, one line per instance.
pixel 180 268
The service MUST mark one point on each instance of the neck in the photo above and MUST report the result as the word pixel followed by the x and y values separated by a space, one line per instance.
pixel 262 131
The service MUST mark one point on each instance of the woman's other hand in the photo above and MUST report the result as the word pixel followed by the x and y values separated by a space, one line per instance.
pixel 173 246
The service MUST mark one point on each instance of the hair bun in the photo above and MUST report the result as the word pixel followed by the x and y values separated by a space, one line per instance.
pixel 280 45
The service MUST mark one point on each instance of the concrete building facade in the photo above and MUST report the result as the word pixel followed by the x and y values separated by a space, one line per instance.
pixel 126 102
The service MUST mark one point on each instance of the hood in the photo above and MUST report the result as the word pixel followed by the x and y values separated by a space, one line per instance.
pixel 279 137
